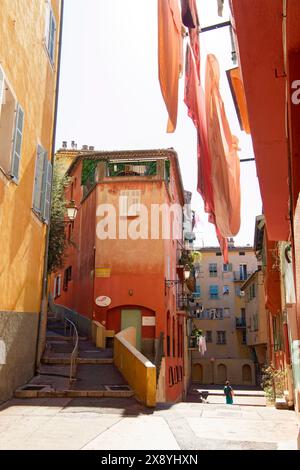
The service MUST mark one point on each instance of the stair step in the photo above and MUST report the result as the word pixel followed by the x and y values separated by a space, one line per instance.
pixel 47 392
pixel 80 360
pixel 50 338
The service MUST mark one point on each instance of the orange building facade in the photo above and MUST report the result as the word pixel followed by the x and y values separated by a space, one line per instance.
pixel 119 267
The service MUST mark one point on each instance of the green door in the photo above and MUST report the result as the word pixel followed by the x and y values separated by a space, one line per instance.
pixel 133 318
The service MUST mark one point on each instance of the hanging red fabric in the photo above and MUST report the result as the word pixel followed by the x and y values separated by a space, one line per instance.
pixel 195 102
pixel 190 19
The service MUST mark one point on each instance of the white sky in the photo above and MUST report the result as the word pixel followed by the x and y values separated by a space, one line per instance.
pixel 110 96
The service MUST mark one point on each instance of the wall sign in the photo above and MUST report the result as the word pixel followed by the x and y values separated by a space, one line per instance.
pixel 103 301
pixel 102 272
pixel 148 321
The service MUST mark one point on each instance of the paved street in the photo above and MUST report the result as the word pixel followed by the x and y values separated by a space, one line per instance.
pixel 112 424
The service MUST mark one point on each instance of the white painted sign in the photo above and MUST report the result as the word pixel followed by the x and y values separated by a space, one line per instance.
pixel 148 321
pixel 103 301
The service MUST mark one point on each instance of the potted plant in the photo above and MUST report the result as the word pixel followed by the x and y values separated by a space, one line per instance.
pixel 196 333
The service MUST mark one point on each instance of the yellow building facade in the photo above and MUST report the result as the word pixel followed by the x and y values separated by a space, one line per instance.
pixel 29 58
pixel 256 316
pixel 220 314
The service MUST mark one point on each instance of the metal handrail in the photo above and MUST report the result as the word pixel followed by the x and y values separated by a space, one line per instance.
pixel 74 355
pixel 159 355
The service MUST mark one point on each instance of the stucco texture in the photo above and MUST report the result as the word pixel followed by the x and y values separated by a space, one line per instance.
pixel 19 333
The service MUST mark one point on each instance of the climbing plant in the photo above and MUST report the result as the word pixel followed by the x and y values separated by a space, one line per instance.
pixel 57 237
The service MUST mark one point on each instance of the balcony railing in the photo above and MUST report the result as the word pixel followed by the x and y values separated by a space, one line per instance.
pixel 240 322
pixel 189 302
pixel 240 276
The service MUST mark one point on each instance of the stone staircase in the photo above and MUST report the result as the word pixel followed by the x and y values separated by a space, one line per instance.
pixel 96 375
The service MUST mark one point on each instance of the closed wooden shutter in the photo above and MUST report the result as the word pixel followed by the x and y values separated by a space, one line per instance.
pixel 46 200
pixel 38 181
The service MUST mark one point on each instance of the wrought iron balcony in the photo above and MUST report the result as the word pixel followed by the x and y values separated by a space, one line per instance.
pixel 240 276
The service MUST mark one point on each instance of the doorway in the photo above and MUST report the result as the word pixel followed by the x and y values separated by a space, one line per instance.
pixel 133 318
pixel 197 373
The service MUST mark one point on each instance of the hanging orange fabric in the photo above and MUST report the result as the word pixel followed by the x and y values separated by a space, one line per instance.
pixel 225 164
pixel 238 93
pixel 195 102
pixel 169 56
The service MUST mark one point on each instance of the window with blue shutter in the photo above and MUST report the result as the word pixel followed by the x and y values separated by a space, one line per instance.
pixel 39 179
pixel 17 144
pixel 214 292
pixel 42 185
pixel 50 32
pixel 197 292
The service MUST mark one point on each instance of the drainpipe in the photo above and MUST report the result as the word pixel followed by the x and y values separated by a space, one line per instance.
pixel 42 325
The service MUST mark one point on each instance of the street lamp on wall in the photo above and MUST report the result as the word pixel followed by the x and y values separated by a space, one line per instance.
pixel 72 210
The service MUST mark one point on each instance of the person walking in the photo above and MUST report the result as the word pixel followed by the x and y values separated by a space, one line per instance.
pixel 228 392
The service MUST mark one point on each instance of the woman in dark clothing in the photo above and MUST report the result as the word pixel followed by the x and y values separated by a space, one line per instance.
pixel 228 392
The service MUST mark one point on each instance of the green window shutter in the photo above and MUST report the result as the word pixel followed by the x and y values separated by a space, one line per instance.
pixel 46 201
pixel 17 143
pixel 38 181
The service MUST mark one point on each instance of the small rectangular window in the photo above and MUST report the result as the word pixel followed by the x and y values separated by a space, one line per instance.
pixel 171 377
pixel 208 336
pixel 67 277
pixel 213 270
pixel 57 286
pixel 242 253
pixel 227 268
pixel 130 201
pixel 214 292
pixel 221 337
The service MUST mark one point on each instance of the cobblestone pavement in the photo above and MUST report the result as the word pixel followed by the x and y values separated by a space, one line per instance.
pixel 112 424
